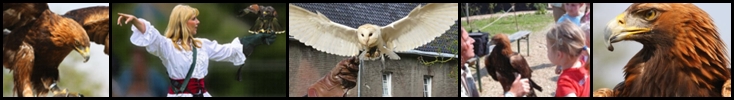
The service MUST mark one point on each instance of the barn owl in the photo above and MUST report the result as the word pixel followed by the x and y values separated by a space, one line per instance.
pixel 419 27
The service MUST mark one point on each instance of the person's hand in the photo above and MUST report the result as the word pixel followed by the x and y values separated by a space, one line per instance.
pixel 250 42
pixel 347 70
pixel 269 38
pixel 520 87
pixel 128 18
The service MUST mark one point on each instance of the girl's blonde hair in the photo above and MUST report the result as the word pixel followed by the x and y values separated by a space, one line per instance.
pixel 178 30
pixel 567 38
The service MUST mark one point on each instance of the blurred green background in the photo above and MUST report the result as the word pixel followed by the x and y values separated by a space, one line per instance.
pixel 264 73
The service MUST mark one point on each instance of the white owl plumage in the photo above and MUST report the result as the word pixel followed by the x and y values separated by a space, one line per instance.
pixel 421 26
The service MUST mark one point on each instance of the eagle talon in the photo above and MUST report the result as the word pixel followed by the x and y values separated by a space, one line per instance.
pixel 53 87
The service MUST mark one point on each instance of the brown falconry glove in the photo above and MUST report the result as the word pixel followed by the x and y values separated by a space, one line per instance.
pixel 338 81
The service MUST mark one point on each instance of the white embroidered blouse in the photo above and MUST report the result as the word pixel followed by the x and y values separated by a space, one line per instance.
pixel 178 62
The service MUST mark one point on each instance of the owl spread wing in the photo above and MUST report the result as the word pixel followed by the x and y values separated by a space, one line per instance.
pixel 317 31
pixel 421 26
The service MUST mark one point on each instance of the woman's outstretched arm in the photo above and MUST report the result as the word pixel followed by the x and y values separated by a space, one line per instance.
pixel 145 35
pixel 229 52
pixel 128 18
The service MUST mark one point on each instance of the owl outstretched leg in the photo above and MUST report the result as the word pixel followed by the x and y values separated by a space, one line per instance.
pixel 371 53
pixel 362 55
pixel 388 51
pixel 382 59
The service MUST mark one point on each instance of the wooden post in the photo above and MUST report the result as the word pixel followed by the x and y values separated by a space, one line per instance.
pixel 359 79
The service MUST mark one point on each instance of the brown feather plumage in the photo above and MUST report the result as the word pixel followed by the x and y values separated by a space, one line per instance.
pixel 17 15
pixel 503 65
pixel 51 36
pixel 96 21
pixel 682 55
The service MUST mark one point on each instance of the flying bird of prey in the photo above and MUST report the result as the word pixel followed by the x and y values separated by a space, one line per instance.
pixel 338 81
pixel 503 65
pixel 266 21
pixel 420 26
pixel 682 55
pixel 49 36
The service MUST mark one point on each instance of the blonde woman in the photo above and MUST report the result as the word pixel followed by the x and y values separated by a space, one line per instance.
pixel 178 48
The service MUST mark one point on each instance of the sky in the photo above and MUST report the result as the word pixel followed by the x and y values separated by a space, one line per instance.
pixel 97 68
pixel 607 65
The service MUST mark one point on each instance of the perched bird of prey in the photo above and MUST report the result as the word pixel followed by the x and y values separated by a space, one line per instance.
pixel 50 37
pixel 338 81
pixel 420 26
pixel 266 21
pixel 503 65
pixel 96 22
pixel 682 55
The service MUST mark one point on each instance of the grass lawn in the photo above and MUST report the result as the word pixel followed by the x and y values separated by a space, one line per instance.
pixel 506 25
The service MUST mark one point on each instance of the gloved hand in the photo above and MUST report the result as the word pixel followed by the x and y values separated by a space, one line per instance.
pixel 250 42
pixel 347 70
pixel 338 81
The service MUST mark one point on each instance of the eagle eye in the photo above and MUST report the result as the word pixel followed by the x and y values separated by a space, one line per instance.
pixel 651 14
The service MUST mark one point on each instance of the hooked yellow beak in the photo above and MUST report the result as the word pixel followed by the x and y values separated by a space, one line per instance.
pixel 617 30
pixel 84 51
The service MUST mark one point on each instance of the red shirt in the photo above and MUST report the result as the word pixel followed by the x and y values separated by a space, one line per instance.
pixel 574 80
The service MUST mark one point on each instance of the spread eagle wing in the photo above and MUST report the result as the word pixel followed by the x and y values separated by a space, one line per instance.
pixel 16 16
pixel 422 25
pixel 317 31
pixel 255 27
pixel 96 21
pixel 20 14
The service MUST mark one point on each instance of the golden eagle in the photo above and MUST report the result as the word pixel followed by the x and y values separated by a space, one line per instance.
pixel 47 35
pixel 682 55
pixel 503 65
